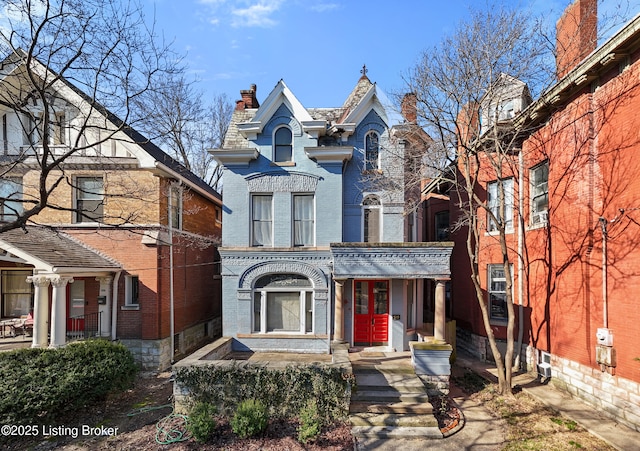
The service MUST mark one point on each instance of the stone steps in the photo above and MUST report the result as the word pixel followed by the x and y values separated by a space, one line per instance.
pixel 391 403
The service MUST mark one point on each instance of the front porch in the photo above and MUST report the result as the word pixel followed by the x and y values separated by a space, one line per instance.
pixel 379 292
pixel 63 287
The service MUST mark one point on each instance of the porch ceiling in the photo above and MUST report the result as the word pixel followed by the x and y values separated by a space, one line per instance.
pixel 51 251
pixel 392 260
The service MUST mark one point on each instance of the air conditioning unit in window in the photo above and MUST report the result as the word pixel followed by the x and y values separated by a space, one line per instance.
pixel 541 217
pixel 544 365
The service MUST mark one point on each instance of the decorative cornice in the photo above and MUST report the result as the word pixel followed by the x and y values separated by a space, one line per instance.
pixel 235 157
pixel 317 277
pixel 329 154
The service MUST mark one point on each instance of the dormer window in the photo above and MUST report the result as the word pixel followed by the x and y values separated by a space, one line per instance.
pixel 283 148
pixel 371 151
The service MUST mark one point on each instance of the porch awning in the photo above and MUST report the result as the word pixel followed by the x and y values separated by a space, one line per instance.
pixel 392 260
pixel 52 251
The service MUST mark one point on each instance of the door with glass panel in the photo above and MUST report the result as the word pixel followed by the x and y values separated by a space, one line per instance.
pixel 371 315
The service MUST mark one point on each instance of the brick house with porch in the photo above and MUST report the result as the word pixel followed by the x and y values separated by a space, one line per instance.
pixel 129 251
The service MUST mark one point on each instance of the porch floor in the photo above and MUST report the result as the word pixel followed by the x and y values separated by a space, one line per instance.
pixel 17 342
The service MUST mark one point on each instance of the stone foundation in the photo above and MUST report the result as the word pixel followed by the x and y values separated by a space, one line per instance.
pixel 155 355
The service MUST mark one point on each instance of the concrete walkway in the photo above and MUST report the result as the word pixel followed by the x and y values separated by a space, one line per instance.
pixel 481 431
pixel 615 434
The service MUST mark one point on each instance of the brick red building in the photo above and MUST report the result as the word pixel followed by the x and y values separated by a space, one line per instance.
pixel 130 250
pixel 579 181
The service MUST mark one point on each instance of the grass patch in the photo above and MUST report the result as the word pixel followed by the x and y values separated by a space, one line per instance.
pixel 532 426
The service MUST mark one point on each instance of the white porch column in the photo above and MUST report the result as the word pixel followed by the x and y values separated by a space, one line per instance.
pixel 105 309
pixel 59 311
pixel 439 317
pixel 40 310
pixel 338 326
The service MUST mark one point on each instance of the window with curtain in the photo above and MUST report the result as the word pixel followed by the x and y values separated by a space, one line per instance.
pixel 283 303
pixel 89 199
pixel 303 220
pixel 10 196
pixel 283 151
pixel 371 151
pixel 539 177
pixel 262 220
pixel 17 294
pixel 371 216
pixel 503 213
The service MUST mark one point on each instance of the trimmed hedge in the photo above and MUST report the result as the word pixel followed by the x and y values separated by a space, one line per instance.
pixel 37 385
pixel 284 392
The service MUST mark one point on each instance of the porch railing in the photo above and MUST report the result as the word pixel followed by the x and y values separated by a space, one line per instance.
pixel 85 326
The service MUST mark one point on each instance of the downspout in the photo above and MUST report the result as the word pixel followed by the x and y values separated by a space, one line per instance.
pixel 520 258
pixel 171 306
pixel 605 316
pixel 114 305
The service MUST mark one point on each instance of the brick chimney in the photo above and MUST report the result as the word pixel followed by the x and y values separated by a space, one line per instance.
pixel 249 99
pixel 576 35
pixel 409 108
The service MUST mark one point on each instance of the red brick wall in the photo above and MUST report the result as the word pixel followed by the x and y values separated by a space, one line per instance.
pixel 592 143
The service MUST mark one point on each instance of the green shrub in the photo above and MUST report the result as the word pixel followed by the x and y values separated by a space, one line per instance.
pixel 40 384
pixel 310 424
pixel 250 419
pixel 227 385
pixel 201 423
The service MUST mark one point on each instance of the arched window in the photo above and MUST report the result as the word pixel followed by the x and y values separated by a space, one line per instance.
pixel 283 303
pixel 283 148
pixel 371 151
pixel 372 219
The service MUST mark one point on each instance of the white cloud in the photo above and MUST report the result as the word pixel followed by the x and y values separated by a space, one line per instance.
pixel 256 15
pixel 324 7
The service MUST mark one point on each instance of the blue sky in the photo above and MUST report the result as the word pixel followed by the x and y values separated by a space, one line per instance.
pixel 317 46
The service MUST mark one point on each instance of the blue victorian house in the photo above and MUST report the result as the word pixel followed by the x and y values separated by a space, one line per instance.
pixel 316 244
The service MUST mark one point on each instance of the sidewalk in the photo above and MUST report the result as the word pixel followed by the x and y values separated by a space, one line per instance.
pixel 617 435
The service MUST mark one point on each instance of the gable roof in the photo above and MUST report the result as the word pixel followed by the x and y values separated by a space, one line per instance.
pixel 162 160
pixel 52 251
pixel 246 124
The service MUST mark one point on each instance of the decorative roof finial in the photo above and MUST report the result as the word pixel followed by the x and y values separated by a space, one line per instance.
pixel 364 70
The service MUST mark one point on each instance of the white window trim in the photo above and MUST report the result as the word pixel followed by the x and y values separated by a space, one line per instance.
pixel 251 219
pixel 273 141
pixel 509 228
pixel 544 215
pixel 75 198
pixel 303 312
pixel 372 207
pixel 128 291
pixel 293 238
pixel 489 291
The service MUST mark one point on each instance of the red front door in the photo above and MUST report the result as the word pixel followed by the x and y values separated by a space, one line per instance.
pixel 371 318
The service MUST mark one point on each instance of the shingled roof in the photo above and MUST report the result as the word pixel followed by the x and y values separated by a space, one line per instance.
pixel 54 251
